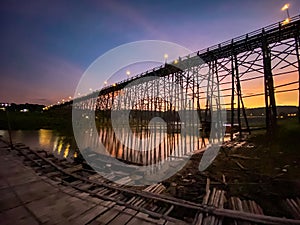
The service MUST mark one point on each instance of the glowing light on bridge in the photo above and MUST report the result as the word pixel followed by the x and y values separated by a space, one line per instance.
pixel 166 57
pixel 286 21
pixel 285 7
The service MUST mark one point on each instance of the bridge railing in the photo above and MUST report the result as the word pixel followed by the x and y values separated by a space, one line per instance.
pixel 247 36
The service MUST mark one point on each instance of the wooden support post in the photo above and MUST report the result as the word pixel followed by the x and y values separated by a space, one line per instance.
pixel 240 100
pixel 219 121
pixel 206 125
pixel 238 88
pixel 232 99
pixel 271 113
pixel 297 41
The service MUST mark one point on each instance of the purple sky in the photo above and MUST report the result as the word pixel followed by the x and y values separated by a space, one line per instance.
pixel 47 45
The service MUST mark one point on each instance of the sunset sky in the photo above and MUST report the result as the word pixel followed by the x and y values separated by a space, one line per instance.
pixel 47 45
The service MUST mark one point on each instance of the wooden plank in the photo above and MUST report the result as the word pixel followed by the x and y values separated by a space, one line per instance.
pixel 89 215
pixel 124 217
pixel 145 219
pixel 18 215
pixel 108 215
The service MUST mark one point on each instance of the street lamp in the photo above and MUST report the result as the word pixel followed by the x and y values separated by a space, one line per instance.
pixel 166 57
pixel 286 7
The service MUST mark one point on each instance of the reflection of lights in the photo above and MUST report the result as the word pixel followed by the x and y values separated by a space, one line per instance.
pixel 45 137
pixel 66 152
pixel 86 117
pixel 55 144
pixel 59 147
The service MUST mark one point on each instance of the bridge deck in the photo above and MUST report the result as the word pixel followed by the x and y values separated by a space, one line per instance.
pixel 26 198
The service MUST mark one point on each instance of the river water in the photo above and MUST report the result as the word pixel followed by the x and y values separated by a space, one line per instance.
pixel 62 146
pixel 130 148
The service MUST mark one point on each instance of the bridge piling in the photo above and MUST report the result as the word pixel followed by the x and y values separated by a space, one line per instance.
pixel 271 112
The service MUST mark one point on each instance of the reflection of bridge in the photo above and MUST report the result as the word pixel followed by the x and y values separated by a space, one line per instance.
pixel 269 55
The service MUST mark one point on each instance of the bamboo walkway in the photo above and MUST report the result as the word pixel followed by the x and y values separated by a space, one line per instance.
pixel 37 188
pixel 26 198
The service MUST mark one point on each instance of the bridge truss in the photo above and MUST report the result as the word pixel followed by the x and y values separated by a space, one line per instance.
pixel 223 71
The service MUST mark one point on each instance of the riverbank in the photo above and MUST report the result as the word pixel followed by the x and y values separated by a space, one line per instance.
pixel 60 121
pixel 260 168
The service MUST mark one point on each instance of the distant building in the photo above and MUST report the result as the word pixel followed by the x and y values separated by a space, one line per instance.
pixel 21 107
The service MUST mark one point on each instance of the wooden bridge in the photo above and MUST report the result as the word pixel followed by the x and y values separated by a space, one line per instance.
pixel 222 71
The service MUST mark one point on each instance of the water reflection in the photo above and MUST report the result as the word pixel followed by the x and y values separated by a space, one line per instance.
pixel 161 145
pixel 45 137
pixel 62 146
